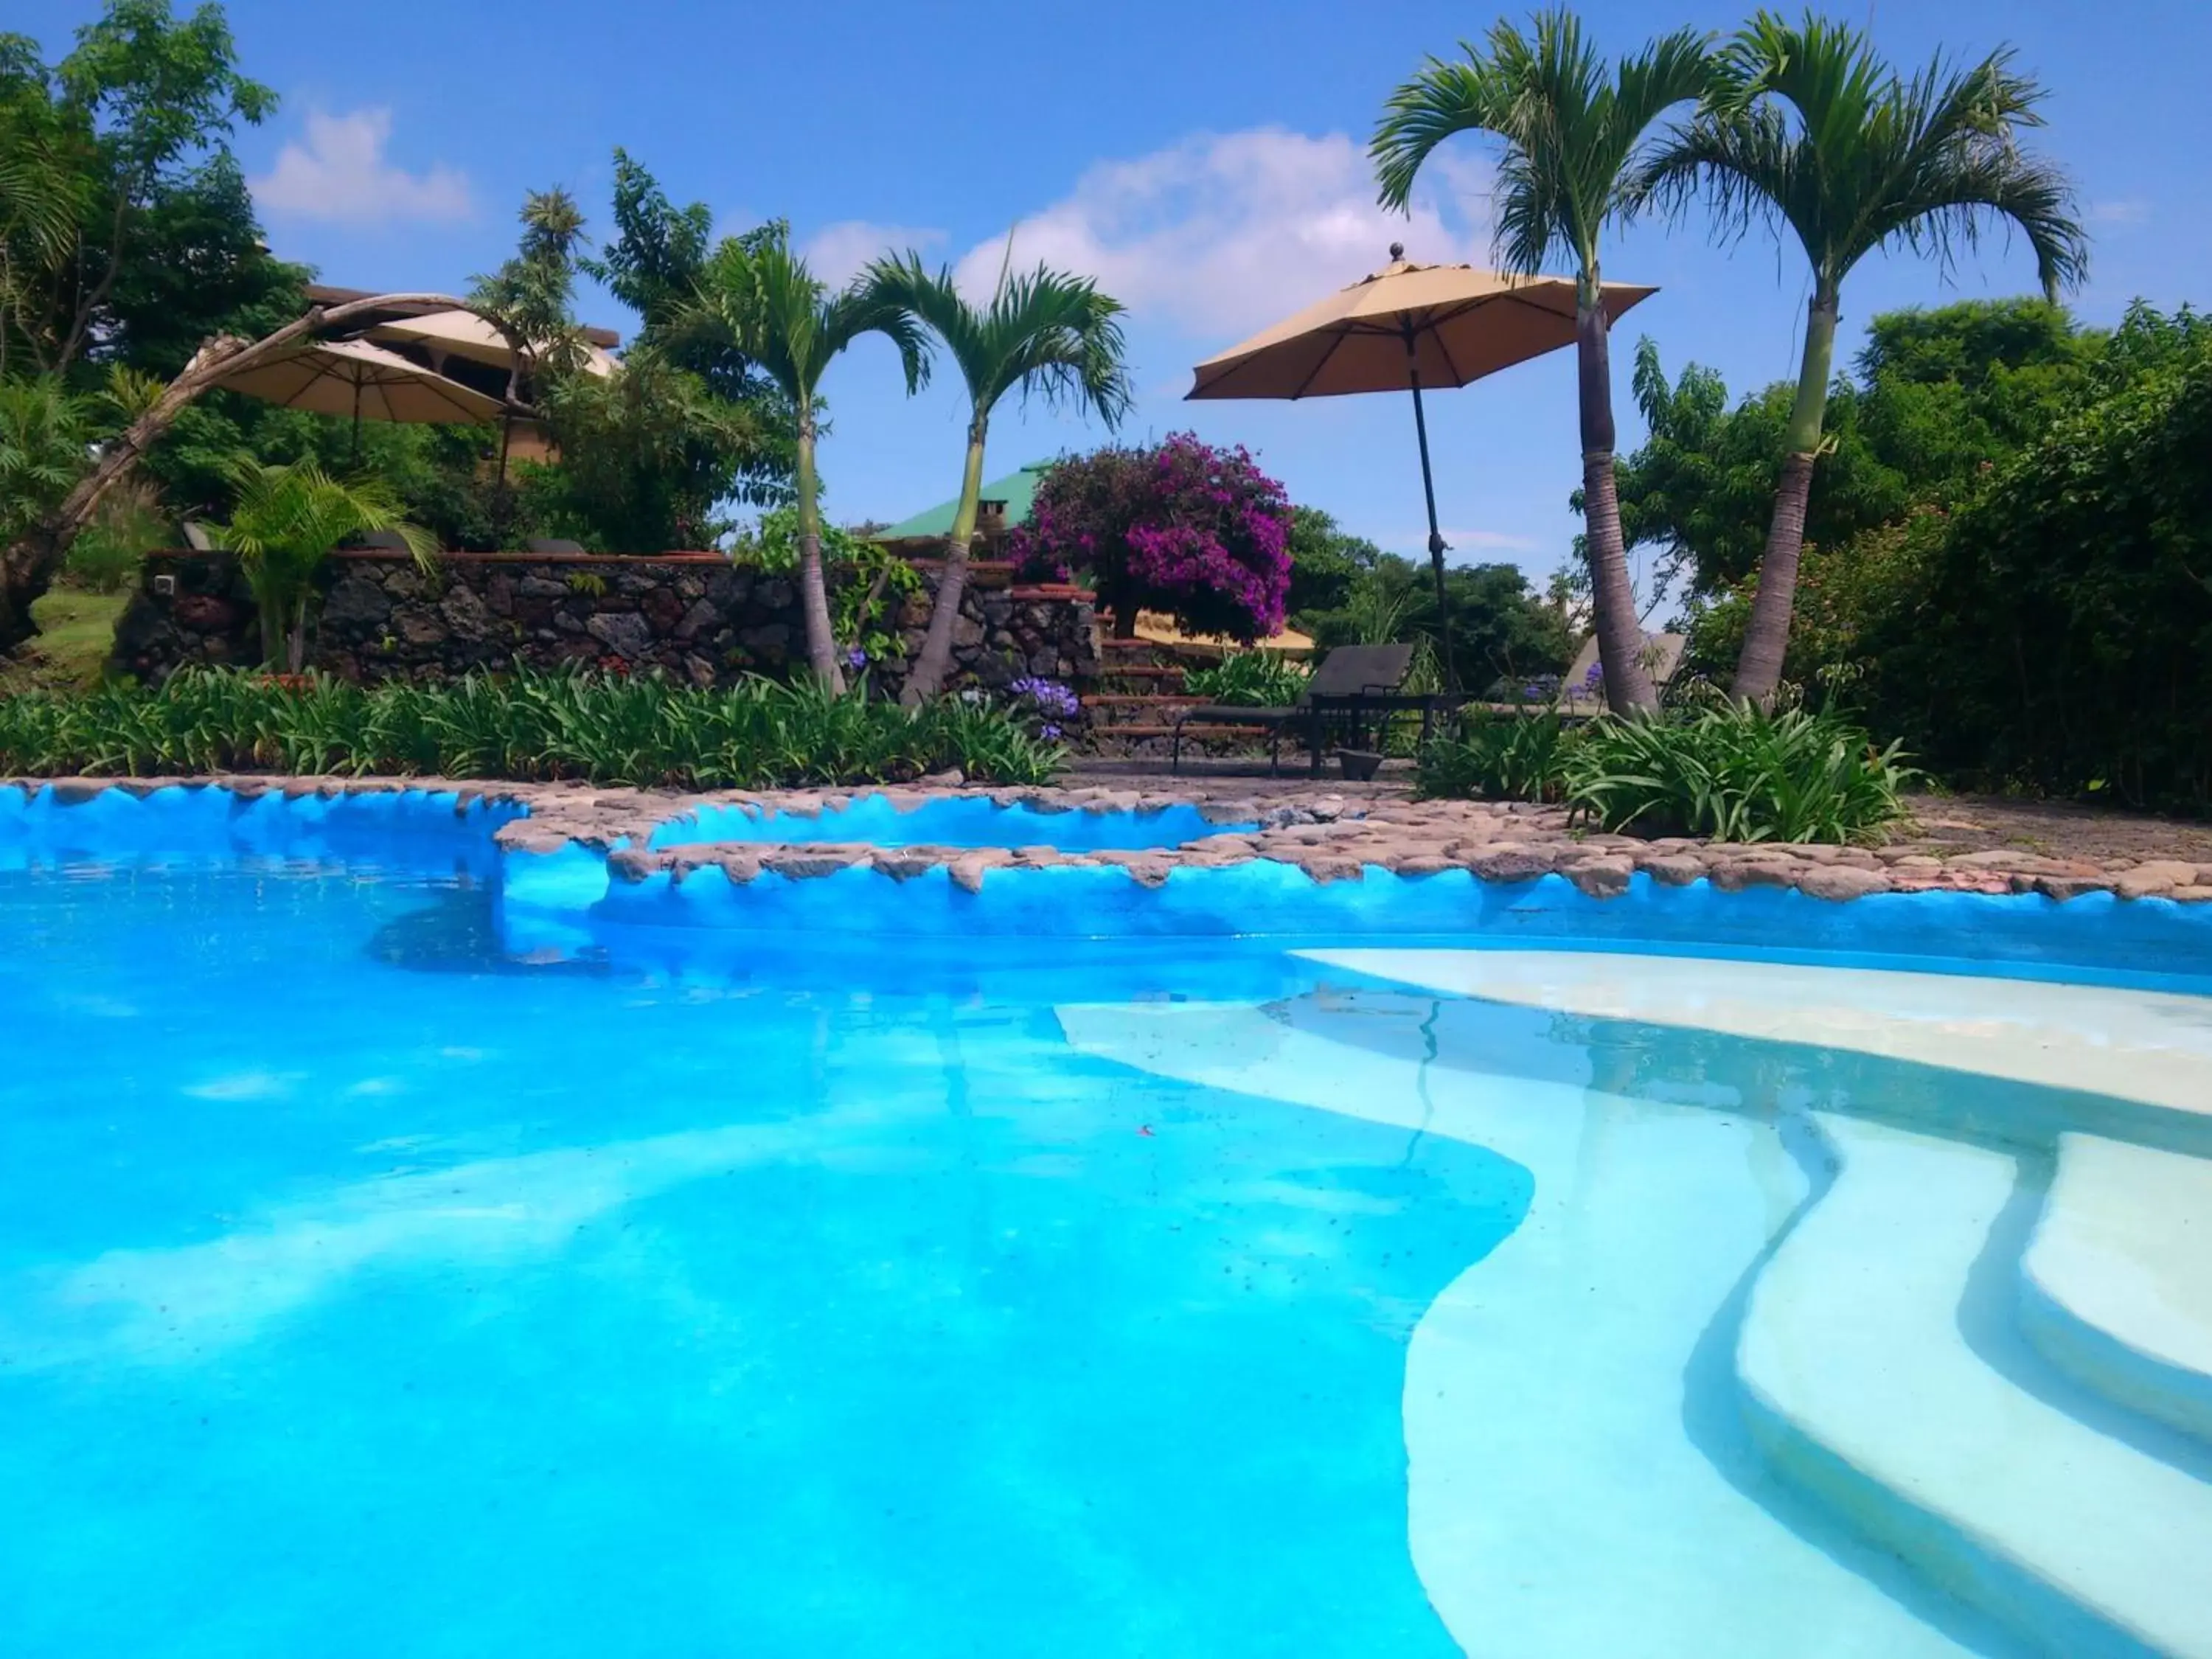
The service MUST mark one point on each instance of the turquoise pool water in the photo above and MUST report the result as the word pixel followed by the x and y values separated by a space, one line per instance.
pixel 375 1280
pixel 961 821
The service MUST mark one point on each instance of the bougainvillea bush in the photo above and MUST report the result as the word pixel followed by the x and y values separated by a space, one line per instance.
pixel 1183 527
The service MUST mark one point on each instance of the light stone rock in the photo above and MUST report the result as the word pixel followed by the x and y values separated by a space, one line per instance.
pixel 1839 882
pixel 1732 875
pixel 1602 878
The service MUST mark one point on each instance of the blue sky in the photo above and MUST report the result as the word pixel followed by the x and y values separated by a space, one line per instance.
pixel 1203 160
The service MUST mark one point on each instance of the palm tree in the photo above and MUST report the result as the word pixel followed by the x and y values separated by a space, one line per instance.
pixel 287 520
pixel 1806 126
pixel 760 299
pixel 1046 333
pixel 1571 134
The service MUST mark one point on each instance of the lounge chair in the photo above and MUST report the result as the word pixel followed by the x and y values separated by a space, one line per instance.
pixel 1346 675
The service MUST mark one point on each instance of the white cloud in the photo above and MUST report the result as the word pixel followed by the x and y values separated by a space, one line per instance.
pixel 836 252
pixel 2130 212
pixel 339 173
pixel 1224 232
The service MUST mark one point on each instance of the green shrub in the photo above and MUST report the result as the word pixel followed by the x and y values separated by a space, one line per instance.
pixel 1735 772
pixel 1248 679
pixel 1725 772
pixel 1494 756
pixel 645 732
pixel 105 557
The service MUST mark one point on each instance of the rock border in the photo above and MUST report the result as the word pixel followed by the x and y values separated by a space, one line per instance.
pixel 1331 837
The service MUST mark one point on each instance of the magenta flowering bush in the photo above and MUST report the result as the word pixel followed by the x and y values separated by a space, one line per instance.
pixel 1182 527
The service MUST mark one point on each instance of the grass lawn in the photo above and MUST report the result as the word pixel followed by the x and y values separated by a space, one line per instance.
pixel 76 629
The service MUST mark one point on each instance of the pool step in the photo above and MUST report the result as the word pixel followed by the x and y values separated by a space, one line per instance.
pixel 1861 1386
pixel 2115 1286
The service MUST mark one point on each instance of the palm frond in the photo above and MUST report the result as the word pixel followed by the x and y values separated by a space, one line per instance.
pixel 1807 125
pixel 1568 127
pixel 1043 333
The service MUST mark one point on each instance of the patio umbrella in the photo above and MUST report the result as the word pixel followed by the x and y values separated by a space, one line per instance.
pixel 352 377
pixel 464 334
pixel 445 335
pixel 1404 327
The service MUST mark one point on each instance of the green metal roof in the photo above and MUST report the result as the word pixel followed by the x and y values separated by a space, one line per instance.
pixel 1017 489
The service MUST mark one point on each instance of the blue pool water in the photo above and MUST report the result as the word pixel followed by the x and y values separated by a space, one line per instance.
pixel 374 1280
pixel 961 821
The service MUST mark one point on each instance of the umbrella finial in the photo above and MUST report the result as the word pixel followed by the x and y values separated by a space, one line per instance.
pixel 1397 250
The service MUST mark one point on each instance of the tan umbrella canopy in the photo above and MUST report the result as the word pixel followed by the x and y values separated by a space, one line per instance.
pixel 352 377
pixel 443 335
pixel 464 334
pixel 1402 328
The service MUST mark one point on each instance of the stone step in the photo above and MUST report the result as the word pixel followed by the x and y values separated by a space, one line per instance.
pixel 1139 700
pixel 1577 1481
pixel 1860 1384
pixel 2116 1286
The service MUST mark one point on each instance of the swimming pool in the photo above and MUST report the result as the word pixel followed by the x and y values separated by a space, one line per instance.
pixel 373 1279
pixel 950 821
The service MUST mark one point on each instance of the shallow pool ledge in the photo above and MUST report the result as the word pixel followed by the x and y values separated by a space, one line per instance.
pixel 922 892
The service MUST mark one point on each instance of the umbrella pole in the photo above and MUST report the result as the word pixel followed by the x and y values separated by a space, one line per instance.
pixel 1436 536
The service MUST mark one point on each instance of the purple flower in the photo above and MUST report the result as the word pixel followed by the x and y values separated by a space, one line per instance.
pixel 856 657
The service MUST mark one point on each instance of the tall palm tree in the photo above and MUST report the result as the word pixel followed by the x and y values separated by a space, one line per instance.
pixel 1805 125
pixel 1570 132
pixel 287 520
pixel 761 300
pixel 1046 333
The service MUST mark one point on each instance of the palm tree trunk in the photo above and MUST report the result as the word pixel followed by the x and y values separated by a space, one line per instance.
pixel 272 630
pixel 935 665
pixel 813 591
pixel 1619 636
pixel 1766 640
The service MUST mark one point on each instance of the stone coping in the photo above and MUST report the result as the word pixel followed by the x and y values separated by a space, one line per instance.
pixel 1329 837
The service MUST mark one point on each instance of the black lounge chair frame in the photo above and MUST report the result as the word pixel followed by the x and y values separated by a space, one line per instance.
pixel 1351 679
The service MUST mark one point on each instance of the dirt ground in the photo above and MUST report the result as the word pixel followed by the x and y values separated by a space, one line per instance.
pixel 2057 829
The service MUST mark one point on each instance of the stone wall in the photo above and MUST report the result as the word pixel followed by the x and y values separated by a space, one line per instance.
pixel 695 616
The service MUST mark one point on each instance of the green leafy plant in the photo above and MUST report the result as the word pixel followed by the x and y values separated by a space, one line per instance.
pixel 1498 757
pixel 130 525
pixel 287 520
pixel 1257 679
pixel 1725 771
pixel 643 730
pixel 1735 771
pixel 868 583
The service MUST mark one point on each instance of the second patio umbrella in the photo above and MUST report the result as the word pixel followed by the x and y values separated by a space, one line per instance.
pixel 1402 328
